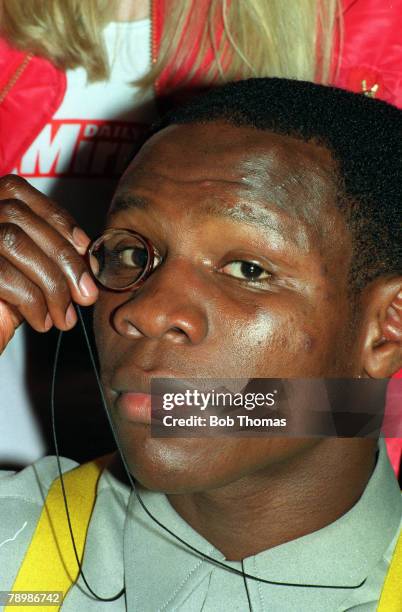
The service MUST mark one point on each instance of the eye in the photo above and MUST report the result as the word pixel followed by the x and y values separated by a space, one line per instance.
pixel 134 257
pixel 246 270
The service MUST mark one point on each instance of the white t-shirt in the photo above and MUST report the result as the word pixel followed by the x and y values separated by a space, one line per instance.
pixel 76 159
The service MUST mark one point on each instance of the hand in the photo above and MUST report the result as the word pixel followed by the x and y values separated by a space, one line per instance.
pixel 42 271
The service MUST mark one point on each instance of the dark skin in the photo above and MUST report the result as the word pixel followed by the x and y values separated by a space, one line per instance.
pixel 209 197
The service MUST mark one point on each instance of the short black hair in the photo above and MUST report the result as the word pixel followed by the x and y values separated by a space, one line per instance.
pixel 363 135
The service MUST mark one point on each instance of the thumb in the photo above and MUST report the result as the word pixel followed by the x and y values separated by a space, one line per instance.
pixel 10 319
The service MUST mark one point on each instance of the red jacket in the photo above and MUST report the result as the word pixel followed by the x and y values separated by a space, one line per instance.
pixel 32 89
pixel 372 49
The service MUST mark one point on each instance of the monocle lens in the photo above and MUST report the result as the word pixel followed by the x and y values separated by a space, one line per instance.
pixel 119 259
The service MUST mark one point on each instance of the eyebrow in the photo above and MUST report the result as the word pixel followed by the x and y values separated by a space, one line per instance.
pixel 245 212
pixel 242 212
pixel 271 216
pixel 128 201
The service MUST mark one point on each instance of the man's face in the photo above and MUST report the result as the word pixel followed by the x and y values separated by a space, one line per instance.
pixel 253 284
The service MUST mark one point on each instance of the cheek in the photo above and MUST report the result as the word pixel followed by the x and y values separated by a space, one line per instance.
pixel 285 338
pixel 274 341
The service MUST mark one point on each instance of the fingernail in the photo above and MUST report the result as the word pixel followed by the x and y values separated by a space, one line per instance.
pixel 71 316
pixel 87 286
pixel 48 322
pixel 80 240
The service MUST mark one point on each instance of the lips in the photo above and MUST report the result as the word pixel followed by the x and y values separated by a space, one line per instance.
pixel 130 392
pixel 135 407
pixel 139 407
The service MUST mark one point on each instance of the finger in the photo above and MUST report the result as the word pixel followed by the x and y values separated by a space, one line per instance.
pixel 15 187
pixel 16 217
pixel 23 254
pixel 18 291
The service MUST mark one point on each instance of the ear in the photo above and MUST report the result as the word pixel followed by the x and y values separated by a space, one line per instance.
pixel 382 348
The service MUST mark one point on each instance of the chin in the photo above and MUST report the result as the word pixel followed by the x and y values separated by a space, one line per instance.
pixel 191 465
pixel 170 465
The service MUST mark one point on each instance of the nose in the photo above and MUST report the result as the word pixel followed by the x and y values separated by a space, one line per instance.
pixel 171 304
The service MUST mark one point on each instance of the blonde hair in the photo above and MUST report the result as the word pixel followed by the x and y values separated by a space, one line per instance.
pixel 67 32
pixel 258 38
pixel 248 37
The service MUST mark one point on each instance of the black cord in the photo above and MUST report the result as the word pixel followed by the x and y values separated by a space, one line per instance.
pixel 199 553
pixel 56 446
pixel 246 587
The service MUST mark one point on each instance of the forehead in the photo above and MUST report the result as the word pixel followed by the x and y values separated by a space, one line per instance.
pixel 275 167
pixel 238 171
pixel 239 148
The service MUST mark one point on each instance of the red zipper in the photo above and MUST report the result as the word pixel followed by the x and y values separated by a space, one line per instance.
pixel 15 77
pixel 154 15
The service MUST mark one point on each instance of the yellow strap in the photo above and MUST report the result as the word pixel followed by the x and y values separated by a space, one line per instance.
pixel 50 563
pixel 391 596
